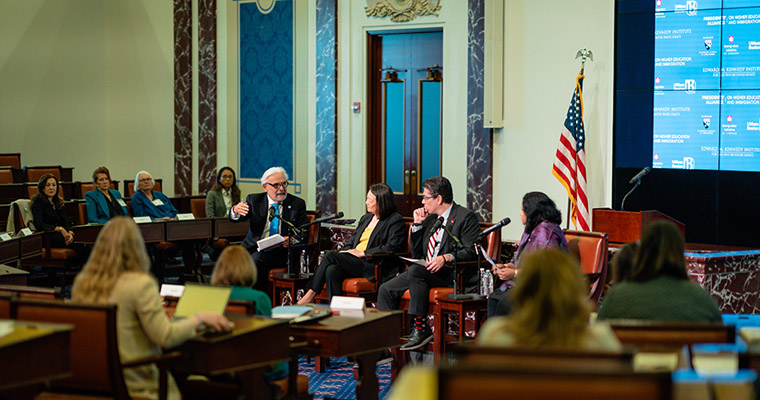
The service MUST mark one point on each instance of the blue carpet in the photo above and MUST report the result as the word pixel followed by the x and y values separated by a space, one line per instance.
pixel 338 380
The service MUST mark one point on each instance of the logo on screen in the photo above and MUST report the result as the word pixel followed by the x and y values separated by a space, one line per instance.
pixel 706 122
pixel 691 7
pixel 657 80
pixel 688 163
pixel 731 39
pixel 729 119
pixel 656 156
pixel 691 85
pixel 708 44
pixel 659 3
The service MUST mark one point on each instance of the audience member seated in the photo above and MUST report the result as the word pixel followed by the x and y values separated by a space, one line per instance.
pixel 551 309
pixel 49 214
pixel 223 195
pixel 380 231
pixel 541 218
pixel 146 202
pixel 236 268
pixel 117 273
pixel 622 262
pixel 659 287
pixel 103 203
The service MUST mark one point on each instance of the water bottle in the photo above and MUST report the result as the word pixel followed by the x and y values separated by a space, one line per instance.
pixel 304 262
pixel 486 282
pixel 319 259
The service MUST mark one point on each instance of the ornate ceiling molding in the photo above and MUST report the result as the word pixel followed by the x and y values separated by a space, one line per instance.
pixel 402 10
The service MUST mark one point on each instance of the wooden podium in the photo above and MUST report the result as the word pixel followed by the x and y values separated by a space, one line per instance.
pixel 627 226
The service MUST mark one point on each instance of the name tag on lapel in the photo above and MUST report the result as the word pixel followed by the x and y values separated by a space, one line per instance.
pixel 121 202
pixel 157 202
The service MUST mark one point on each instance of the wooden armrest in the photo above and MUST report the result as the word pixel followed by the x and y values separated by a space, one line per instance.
pixel 154 359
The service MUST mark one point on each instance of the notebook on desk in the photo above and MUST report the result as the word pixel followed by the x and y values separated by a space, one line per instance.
pixel 197 297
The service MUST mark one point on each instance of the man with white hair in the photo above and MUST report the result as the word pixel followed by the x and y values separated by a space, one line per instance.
pixel 256 209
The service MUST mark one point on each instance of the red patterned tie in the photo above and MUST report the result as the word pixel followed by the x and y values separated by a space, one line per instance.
pixel 431 245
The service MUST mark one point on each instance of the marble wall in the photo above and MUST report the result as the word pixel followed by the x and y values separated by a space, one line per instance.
pixel 326 118
pixel 479 139
pixel 732 278
pixel 183 110
pixel 207 106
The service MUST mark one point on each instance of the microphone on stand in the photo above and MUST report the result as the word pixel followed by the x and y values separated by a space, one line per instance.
pixel 499 225
pixel 640 175
pixel 436 225
pixel 319 220
pixel 272 214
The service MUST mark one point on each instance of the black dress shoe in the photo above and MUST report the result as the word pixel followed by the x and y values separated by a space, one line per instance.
pixel 418 338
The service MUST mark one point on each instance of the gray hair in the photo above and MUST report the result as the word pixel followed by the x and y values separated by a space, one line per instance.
pixel 137 177
pixel 272 171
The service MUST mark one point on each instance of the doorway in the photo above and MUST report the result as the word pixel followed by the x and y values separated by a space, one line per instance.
pixel 405 106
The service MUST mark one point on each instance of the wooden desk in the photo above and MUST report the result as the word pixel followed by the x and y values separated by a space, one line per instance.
pixel 10 192
pixel 191 235
pixel 87 234
pixel 225 228
pixel 462 307
pixel 255 342
pixel 21 248
pixel 38 352
pixel 364 337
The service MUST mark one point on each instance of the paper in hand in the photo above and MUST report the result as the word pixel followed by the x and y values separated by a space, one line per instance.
pixel 485 254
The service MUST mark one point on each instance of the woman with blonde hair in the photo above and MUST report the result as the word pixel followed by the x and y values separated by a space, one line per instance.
pixel 549 309
pixel 117 273
pixel 235 268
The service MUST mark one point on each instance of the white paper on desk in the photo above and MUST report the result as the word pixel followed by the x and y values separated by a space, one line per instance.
pixel 185 216
pixel 414 261
pixel 6 327
pixel 5 236
pixel 26 232
pixel 142 220
pixel 270 241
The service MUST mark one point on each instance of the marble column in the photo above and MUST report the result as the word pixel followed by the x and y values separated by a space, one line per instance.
pixel 326 156
pixel 206 95
pixel 183 110
pixel 479 139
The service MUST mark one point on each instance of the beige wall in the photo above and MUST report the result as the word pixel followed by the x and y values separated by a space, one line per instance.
pixel 88 83
pixel 85 83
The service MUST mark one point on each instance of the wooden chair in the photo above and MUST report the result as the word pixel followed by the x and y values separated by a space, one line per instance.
pixel 487 382
pixel 33 292
pixel 6 175
pixel 198 207
pixel 84 187
pixel 539 358
pixel 642 332
pixel 81 218
pixel 590 249
pixel 96 366
pixel 129 186
pixel 10 160
pixel 31 190
pixel 5 304
pixel 33 174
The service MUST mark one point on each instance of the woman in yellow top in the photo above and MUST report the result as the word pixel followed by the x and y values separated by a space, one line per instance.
pixel 117 273
pixel 381 231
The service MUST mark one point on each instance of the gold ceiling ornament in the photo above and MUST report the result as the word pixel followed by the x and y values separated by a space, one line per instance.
pixel 402 10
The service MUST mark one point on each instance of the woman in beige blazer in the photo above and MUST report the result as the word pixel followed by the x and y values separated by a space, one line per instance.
pixel 117 273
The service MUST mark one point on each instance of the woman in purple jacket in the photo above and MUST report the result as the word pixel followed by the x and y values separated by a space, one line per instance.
pixel 541 218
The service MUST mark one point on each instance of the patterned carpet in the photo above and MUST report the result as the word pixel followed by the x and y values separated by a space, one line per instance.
pixel 338 382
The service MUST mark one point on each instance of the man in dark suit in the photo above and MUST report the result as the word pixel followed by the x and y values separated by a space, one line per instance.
pixel 429 242
pixel 256 209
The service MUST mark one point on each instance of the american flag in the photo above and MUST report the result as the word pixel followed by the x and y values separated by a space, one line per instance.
pixel 570 160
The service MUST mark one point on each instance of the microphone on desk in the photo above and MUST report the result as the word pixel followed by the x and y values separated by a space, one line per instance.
pixel 436 225
pixel 640 175
pixel 272 215
pixel 319 220
pixel 499 225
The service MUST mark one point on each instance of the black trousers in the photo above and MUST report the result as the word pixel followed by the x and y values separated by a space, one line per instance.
pixel 499 303
pixel 419 281
pixel 334 269
pixel 267 260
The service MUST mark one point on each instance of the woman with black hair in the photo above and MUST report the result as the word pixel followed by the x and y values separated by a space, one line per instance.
pixel 223 195
pixel 48 212
pixel 380 231
pixel 541 218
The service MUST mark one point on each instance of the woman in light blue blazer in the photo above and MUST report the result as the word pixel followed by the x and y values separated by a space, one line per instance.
pixel 103 203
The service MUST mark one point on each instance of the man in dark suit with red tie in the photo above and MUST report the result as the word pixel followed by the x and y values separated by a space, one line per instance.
pixel 257 208
pixel 429 242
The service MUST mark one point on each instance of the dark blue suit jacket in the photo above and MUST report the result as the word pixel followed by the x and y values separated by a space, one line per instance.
pixel 97 208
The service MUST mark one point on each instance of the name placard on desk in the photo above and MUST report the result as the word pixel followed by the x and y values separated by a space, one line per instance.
pixel 347 303
pixel 171 290
pixel 26 232
pixel 5 236
pixel 142 220
pixel 185 216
